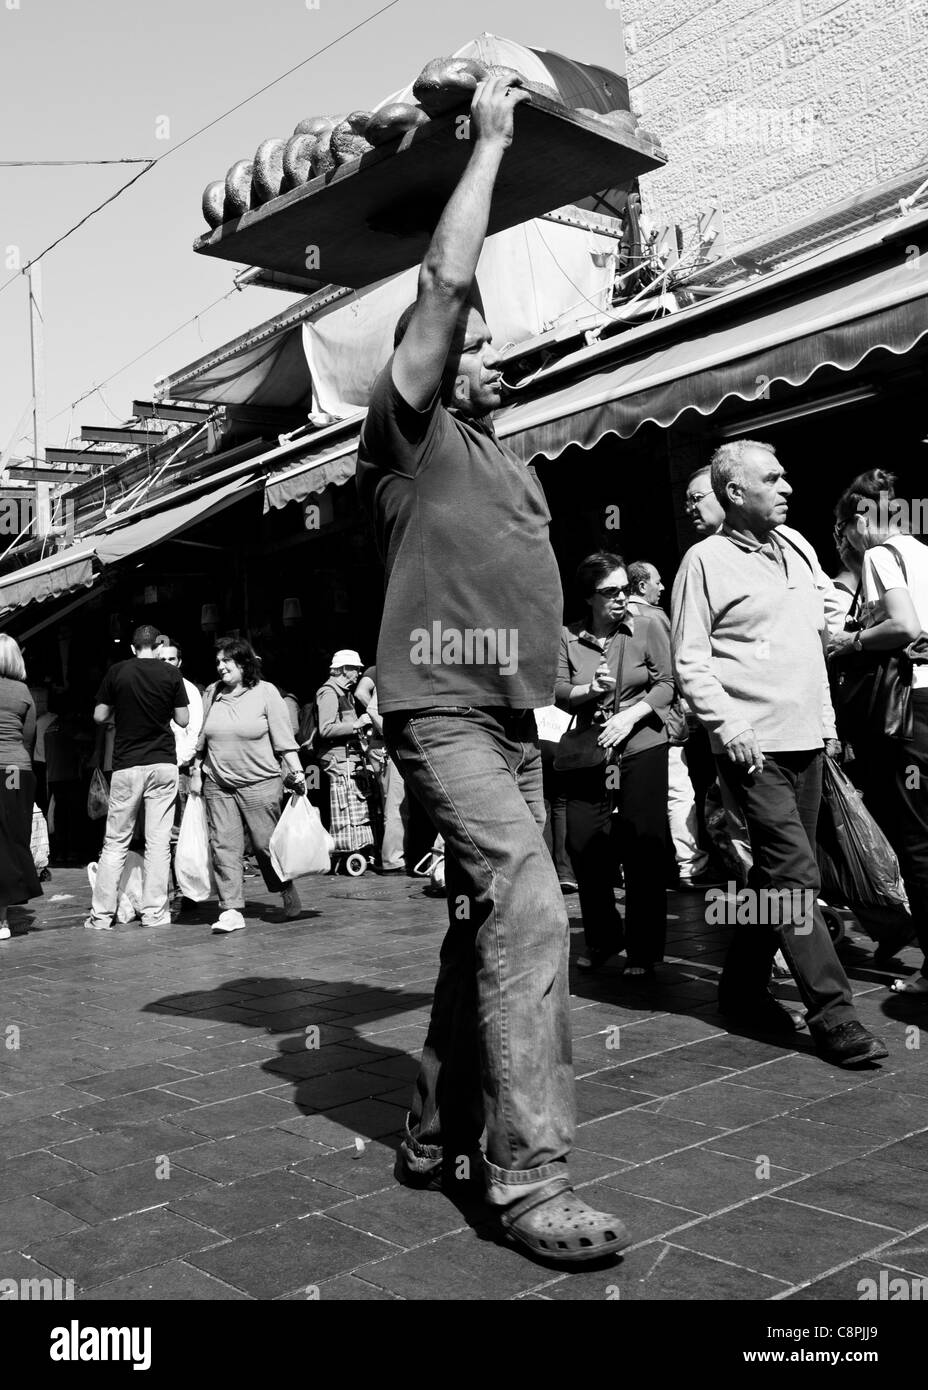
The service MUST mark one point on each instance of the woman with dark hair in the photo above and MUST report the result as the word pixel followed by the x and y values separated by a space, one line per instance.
pixel 889 611
pixel 18 879
pixel 245 741
pixel 614 675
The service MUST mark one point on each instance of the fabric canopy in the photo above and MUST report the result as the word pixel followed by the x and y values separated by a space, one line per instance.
pixel 271 372
pixel 312 475
pixel 837 325
pixel 69 569
pixel 73 568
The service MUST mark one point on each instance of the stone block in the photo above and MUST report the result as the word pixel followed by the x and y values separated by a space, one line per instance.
pixel 851 23
pixel 779 1231
pixel 758 31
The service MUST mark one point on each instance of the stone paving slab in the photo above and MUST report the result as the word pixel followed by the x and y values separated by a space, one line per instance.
pixel 195 1117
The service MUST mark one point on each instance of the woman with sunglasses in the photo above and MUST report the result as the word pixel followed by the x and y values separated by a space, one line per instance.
pixel 627 769
pixel 891 609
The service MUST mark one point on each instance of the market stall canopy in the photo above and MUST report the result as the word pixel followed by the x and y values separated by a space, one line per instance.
pixel 829 310
pixel 330 346
pixel 324 467
pixel 837 323
pixel 73 568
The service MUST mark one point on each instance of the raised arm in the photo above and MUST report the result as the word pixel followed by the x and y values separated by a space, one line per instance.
pixel 450 264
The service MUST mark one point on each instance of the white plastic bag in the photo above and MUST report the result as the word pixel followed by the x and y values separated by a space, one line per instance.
pixel 193 868
pixel 98 796
pixel 300 843
pixel 39 841
pixel 129 892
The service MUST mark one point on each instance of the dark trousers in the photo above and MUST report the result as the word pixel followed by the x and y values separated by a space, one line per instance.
pixel 893 774
pixel 555 832
pixel 781 805
pixel 69 838
pixel 636 834
pixel 41 787
pixel 700 762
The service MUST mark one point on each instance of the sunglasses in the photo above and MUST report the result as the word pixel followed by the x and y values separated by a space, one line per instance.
pixel 612 592
pixel 841 526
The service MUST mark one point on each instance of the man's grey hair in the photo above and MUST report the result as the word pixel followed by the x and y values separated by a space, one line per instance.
pixel 639 571
pixel 727 465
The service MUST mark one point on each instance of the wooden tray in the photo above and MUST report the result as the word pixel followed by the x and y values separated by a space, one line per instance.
pixel 374 216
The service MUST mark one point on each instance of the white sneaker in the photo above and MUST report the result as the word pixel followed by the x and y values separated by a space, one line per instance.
pixel 5 932
pixel 292 904
pixel 230 920
pixel 91 925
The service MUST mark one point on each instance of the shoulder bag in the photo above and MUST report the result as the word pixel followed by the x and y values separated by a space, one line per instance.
pixel 578 749
pixel 871 690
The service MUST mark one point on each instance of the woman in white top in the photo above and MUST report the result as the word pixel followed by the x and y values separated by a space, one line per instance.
pixel 894 608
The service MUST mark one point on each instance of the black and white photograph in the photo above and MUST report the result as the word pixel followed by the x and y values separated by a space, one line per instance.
pixel 463 672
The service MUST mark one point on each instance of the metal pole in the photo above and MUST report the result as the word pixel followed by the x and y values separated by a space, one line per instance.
pixel 37 338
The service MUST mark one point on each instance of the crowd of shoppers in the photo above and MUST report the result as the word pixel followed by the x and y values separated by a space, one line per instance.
pixel 739 674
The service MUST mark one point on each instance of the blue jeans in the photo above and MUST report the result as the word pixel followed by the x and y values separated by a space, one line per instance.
pixel 153 786
pixel 497 1054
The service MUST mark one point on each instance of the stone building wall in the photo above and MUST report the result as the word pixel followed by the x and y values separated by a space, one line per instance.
pixel 775 110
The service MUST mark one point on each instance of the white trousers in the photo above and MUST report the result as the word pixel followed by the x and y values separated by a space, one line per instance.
pixel 681 813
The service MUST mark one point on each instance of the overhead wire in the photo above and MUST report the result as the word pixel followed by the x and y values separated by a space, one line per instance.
pixel 149 165
pixel 63 163
pixel 159 159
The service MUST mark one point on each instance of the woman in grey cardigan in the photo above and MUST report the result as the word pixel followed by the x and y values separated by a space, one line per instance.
pixel 244 744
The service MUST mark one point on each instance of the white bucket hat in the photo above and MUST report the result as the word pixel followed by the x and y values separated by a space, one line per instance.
pixel 346 657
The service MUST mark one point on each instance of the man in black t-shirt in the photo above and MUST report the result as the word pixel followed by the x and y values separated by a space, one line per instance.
pixel 143 694
pixel 468 650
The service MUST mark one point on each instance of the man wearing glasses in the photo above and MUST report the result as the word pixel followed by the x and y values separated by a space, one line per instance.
pixel 748 627
pixel 702 507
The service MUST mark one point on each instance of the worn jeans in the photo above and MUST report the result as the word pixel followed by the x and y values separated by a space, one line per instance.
pixel 781 805
pixel 497 1053
pixel 228 811
pixel 392 790
pixel 154 787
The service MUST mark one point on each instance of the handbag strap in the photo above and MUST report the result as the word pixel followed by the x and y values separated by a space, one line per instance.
pixel 617 698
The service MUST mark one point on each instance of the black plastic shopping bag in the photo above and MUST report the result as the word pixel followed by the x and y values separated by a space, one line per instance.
pixel 857 863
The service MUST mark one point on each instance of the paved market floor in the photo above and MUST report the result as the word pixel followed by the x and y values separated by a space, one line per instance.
pixel 188 1116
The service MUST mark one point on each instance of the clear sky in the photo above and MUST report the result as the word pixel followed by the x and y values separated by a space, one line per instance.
pixel 89 79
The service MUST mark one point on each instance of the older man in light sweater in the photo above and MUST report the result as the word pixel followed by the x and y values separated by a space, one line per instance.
pixel 749 613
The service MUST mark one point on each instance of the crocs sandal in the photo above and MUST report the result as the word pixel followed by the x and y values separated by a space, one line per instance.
pixel 555 1224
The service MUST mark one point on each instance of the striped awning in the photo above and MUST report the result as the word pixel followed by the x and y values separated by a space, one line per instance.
pixel 837 324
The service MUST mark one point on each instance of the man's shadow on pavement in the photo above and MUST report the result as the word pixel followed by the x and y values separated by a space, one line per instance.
pixel 318 1043
pixel 324 1057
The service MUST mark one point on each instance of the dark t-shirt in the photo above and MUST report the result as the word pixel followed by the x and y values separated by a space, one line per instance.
pixel 472 614
pixel 143 693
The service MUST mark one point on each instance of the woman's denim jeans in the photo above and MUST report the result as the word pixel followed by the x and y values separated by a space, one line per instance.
pixel 497 1054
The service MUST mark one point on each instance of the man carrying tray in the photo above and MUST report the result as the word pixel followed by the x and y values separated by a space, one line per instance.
pixel 467 651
